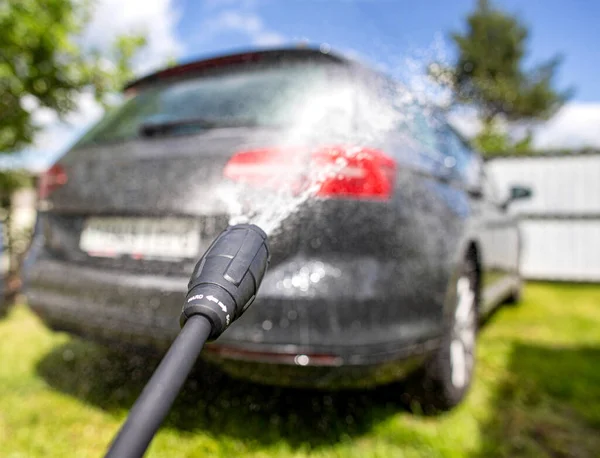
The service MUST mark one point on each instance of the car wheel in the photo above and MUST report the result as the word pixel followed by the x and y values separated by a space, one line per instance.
pixel 516 294
pixel 448 373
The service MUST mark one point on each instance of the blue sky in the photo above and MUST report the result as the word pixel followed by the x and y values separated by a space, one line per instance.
pixel 396 35
pixel 390 30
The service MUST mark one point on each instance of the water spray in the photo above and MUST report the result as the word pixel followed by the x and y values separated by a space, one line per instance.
pixel 223 285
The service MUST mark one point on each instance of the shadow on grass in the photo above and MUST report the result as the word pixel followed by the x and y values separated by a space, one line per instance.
pixel 547 404
pixel 211 401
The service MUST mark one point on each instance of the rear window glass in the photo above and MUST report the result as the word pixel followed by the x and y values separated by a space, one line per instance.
pixel 272 96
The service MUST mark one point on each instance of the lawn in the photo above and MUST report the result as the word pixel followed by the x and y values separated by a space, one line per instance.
pixel 537 394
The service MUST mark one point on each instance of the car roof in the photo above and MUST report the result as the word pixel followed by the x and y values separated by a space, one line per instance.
pixel 256 56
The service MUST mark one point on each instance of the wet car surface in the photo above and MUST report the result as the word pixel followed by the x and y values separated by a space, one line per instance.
pixel 388 242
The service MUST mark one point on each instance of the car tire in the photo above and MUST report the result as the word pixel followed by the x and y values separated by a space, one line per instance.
pixel 447 375
pixel 516 294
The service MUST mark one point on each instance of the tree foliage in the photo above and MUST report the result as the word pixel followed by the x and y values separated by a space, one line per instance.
pixel 493 141
pixel 489 74
pixel 45 64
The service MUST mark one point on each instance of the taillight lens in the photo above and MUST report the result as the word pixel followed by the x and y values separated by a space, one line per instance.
pixel 338 171
pixel 50 180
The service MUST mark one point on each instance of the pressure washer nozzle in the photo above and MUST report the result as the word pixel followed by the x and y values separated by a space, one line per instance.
pixel 226 279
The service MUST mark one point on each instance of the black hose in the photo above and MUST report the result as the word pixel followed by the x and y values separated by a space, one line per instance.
pixel 155 401
pixel 223 285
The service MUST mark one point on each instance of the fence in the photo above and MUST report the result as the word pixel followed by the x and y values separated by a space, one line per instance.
pixel 561 222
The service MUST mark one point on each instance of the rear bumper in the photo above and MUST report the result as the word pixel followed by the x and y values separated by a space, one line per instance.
pixel 290 365
pixel 301 330
pixel 137 309
pixel 264 368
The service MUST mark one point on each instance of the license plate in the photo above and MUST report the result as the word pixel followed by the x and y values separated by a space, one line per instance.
pixel 141 238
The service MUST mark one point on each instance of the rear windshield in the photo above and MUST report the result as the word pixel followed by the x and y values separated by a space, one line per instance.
pixel 259 96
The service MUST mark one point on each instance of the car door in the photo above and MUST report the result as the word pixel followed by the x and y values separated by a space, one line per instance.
pixel 489 219
pixel 505 247
pixel 495 244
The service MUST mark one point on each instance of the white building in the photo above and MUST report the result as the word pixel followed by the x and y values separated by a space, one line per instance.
pixel 561 222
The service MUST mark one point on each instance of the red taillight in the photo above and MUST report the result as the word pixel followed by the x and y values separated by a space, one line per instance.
pixel 337 171
pixel 355 172
pixel 50 180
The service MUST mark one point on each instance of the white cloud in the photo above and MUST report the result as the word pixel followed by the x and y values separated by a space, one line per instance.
pixel 245 22
pixel 154 18
pixel 575 126
pixel 266 38
pixel 249 23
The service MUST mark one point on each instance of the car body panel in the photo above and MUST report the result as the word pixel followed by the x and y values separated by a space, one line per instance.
pixel 360 283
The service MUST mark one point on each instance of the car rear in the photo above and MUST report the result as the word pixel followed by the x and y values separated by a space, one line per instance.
pixel 358 274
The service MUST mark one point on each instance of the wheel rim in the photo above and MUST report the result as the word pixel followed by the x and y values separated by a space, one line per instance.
pixel 462 345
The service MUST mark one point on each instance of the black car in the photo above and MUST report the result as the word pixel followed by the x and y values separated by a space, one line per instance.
pixel 388 243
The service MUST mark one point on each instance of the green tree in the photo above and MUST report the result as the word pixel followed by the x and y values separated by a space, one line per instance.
pixel 44 64
pixel 42 59
pixel 489 75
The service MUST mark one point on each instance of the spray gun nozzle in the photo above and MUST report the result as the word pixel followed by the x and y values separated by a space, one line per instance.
pixel 226 279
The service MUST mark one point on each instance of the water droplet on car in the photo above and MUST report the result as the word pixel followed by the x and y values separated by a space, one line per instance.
pixel 302 360
pixel 154 303
pixel 325 48
pixel 449 162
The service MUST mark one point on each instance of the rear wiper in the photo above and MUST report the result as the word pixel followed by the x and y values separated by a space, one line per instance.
pixel 149 129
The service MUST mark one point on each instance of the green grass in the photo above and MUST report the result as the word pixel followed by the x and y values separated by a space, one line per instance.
pixel 537 394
